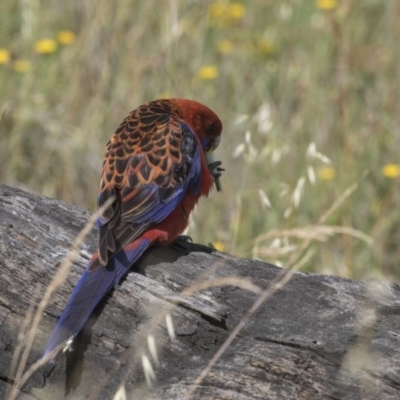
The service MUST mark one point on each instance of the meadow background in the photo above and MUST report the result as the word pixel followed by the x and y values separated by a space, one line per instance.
pixel 308 91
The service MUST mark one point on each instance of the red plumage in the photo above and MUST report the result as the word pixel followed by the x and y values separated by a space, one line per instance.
pixel 146 150
pixel 157 166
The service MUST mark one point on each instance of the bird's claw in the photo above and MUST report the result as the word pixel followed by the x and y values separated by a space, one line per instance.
pixel 184 238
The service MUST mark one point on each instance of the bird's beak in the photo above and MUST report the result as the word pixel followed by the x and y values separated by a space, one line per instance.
pixel 210 160
pixel 216 143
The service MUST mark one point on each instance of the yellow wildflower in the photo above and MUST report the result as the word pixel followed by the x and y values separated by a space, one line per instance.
pixel 46 46
pixel 225 46
pixel 326 173
pixel 326 5
pixel 266 46
pixel 219 246
pixel 4 56
pixel 21 66
pixel 208 72
pixel 391 171
pixel 236 10
pixel 66 38
pixel 226 13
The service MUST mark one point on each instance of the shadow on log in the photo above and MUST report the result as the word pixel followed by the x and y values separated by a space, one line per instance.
pixel 318 337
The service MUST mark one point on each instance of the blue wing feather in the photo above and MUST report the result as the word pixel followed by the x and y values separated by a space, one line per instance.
pixel 156 205
pixel 90 289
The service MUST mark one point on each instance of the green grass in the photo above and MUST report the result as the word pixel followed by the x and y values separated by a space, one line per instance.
pixel 324 77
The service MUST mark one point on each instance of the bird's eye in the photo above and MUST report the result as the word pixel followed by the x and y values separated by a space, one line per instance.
pixel 212 129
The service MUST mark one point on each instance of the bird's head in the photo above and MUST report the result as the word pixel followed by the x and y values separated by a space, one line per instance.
pixel 204 123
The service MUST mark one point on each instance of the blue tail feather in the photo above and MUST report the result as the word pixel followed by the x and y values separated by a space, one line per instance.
pixel 88 292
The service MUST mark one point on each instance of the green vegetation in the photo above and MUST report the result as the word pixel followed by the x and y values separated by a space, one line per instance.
pixel 296 83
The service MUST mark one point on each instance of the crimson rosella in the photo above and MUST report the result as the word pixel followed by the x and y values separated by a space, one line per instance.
pixel 157 165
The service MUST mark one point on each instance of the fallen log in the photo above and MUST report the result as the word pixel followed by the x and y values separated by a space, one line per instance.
pixel 316 337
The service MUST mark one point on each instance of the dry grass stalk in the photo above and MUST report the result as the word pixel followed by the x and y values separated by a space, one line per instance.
pixel 361 362
pixel 295 262
pixel 133 354
pixel 56 282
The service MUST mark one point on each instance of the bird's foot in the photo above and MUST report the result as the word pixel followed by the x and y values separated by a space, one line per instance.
pixel 184 238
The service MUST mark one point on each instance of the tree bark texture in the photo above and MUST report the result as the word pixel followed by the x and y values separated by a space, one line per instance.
pixel 317 337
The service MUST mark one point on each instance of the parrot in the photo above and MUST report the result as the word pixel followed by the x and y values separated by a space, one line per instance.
pixel 157 165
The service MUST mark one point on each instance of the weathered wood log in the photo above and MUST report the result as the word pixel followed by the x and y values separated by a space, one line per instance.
pixel 318 337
